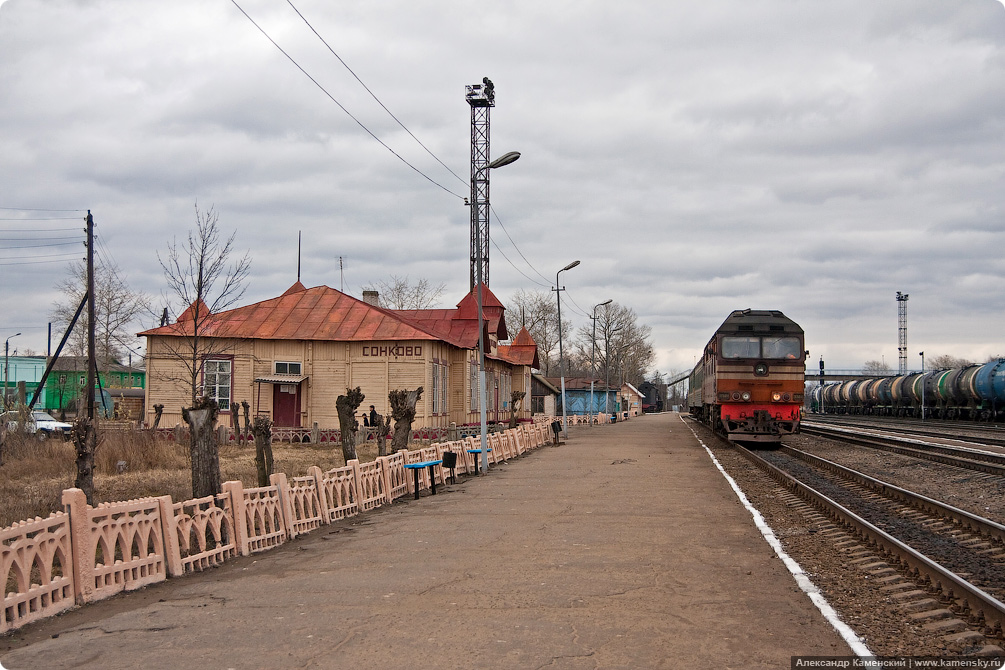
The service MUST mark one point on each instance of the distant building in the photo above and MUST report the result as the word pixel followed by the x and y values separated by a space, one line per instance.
pixel 290 357
pixel 67 380
pixel 544 396
pixel 580 400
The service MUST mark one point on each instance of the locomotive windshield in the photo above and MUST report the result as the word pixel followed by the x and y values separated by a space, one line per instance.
pixel 741 347
pixel 781 347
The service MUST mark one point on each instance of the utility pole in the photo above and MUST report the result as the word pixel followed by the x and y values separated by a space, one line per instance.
pixel 91 363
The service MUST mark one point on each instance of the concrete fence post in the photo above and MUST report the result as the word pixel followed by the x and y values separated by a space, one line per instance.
pixel 282 485
pixel 319 483
pixel 75 504
pixel 169 528
pixel 383 462
pixel 357 481
pixel 235 489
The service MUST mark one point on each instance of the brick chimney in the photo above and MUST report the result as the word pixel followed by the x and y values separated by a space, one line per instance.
pixel 371 298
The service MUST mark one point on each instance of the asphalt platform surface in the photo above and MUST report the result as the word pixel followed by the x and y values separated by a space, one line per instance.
pixel 623 547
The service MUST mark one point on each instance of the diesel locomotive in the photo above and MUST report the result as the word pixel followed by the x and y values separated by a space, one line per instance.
pixel 749 382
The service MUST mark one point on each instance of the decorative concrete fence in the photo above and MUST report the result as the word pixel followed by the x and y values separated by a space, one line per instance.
pixel 85 553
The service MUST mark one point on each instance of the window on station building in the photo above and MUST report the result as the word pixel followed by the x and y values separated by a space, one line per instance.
pixel 288 368
pixel 473 396
pixel 436 388
pixel 444 369
pixel 217 379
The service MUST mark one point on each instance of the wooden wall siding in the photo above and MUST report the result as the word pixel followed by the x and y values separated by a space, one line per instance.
pixel 331 367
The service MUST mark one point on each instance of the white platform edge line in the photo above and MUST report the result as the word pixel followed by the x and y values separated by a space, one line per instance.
pixel 802 579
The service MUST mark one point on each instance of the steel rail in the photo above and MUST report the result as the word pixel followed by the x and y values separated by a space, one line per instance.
pixel 985 527
pixel 971 459
pixel 946 430
pixel 974 602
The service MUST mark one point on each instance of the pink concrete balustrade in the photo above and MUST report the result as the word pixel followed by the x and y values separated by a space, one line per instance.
pixel 85 553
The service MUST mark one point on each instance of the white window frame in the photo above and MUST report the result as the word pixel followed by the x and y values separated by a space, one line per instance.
pixel 211 377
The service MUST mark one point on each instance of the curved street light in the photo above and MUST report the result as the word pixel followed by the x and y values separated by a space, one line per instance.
pixel 505 159
pixel 561 369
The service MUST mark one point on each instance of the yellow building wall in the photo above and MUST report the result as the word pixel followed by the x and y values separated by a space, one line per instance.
pixel 330 368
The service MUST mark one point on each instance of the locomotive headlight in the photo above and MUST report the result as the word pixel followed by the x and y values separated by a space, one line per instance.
pixel 761 369
pixel 746 396
pixel 776 396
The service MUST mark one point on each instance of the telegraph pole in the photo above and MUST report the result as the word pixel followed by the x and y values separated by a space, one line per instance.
pixel 91 363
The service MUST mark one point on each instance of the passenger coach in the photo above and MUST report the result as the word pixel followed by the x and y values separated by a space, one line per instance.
pixel 749 382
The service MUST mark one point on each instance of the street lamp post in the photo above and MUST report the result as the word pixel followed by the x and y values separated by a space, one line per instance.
pixel 505 159
pixel 593 356
pixel 561 368
pixel 6 367
pixel 922 385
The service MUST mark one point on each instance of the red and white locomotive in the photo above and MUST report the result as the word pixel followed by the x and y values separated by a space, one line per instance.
pixel 749 382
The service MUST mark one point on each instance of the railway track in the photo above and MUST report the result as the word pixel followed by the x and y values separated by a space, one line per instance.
pixel 969 457
pixel 983 434
pixel 948 551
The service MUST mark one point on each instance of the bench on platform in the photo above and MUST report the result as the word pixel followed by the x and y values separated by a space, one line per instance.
pixel 415 467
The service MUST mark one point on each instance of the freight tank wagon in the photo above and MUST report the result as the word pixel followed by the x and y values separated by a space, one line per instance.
pixel 749 382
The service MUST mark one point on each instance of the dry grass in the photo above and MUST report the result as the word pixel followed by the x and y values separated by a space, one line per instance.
pixel 35 472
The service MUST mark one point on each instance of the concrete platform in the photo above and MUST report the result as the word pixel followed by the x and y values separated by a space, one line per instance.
pixel 624 548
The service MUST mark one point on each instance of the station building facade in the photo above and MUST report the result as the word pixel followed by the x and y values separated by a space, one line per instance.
pixel 290 357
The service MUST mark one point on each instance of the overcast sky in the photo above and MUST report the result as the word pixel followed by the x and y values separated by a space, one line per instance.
pixel 697 157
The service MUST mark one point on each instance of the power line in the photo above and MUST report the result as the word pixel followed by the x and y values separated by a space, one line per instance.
pixel 348 113
pixel 499 221
pixel 39 209
pixel 372 94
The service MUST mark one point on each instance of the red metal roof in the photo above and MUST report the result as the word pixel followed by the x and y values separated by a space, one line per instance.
pixel 322 313
pixel 522 350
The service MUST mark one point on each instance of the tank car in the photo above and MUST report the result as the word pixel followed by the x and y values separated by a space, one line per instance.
pixel 749 382
pixel 975 392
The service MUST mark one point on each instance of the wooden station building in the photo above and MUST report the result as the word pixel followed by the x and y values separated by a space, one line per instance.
pixel 290 358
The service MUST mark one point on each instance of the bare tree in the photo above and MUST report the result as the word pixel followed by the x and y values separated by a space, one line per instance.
pixel 624 347
pixel 202 278
pixel 875 368
pixel 947 362
pixel 398 293
pixel 116 309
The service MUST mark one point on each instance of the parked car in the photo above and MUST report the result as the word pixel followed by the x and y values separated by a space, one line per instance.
pixel 39 424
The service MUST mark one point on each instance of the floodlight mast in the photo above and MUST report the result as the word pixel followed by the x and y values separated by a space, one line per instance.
pixel 481 98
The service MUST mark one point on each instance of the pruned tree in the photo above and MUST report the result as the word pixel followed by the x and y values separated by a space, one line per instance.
pixel 398 293
pixel 346 406
pixel 201 420
pixel 403 404
pixel 381 429
pixel 261 429
pixel 201 276
pixel 516 398
pixel 85 442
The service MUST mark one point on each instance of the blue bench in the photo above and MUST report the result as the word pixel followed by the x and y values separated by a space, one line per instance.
pixel 415 467
pixel 477 453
